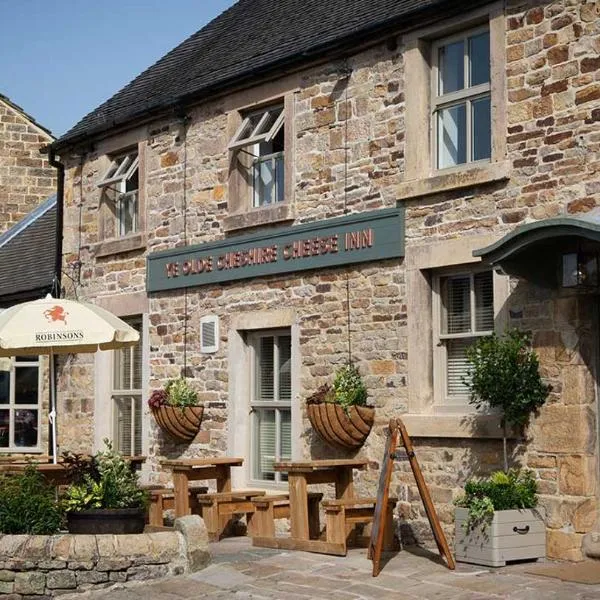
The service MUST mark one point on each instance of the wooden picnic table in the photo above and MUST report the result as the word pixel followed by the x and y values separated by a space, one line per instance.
pixel 300 475
pixel 199 469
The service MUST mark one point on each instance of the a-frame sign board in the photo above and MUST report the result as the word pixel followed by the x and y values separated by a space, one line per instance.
pixel 396 430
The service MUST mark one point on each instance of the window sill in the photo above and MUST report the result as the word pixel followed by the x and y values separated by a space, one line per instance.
pixel 259 216
pixel 454 180
pixel 454 426
pixel 134 241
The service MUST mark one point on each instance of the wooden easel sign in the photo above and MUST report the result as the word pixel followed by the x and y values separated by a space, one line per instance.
pixel 396 430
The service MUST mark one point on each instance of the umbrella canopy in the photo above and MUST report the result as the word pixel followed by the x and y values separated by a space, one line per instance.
pixel 56 326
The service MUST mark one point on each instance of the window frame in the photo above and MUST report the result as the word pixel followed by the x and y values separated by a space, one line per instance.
pixel 280 478
pixel 12 406
pixel 465 96
pixel 442 402
pixel 134 394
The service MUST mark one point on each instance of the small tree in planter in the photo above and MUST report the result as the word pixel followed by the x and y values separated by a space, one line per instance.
pixel 504 374
pixel 339 413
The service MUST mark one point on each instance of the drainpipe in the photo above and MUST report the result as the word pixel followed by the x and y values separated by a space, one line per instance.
pixel 60 194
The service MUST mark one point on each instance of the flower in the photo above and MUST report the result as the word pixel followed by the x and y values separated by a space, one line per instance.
pixel 158 398
pixel 177 392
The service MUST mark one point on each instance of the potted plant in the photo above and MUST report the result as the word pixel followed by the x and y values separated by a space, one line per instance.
pixel 176 410
pixel 339 413
pixel 504 374
pixel 105 496
pixel 495 521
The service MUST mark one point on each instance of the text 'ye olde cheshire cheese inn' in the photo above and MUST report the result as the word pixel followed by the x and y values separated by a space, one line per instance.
pixel 385 181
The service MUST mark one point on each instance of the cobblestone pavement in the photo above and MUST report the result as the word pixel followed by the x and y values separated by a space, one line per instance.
pixel 240 572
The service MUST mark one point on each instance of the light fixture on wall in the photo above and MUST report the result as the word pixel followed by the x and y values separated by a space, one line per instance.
pixel 580 270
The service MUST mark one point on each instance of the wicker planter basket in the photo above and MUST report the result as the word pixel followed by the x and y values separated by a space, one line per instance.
pixel 338 428
pixel 181 424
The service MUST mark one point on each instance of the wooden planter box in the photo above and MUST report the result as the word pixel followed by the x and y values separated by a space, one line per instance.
pixel 181 424
pixel 338 428
pixel 512 535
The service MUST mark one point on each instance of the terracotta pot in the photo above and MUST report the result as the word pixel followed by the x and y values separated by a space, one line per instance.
pixel 335 426
pixel 181 424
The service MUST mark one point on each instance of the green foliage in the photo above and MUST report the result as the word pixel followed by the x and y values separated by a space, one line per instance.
pixel 108 482
pixel 504 373
pixel 348 389
pixel 501 491
pixel 180 393
pixel 28 504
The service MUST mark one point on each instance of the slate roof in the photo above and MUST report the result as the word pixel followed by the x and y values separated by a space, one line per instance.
pixel 250 40
pixel 28 254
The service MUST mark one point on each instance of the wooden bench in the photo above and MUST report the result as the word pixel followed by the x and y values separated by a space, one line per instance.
pixel 269 508
pixel 162 498
pixel 218 509
pixel 342 517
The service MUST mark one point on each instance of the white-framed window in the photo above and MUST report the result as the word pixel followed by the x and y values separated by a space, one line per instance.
pixel 20 406
pixel 464 309
pixel 123 179
pixel 270 404
pixel 259 147
pixel 461 99
pixel 126 395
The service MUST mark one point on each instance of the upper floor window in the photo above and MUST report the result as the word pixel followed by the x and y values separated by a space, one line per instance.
pixel 20 404
pixel 258 145
pixel 461 105
pixel 122 178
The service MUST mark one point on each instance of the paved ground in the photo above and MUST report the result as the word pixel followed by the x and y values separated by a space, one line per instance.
pixel 240 572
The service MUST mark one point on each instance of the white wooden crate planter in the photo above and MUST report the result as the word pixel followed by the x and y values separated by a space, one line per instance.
pixel 512 535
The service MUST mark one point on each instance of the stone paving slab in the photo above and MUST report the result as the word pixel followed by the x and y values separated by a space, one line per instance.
pixel 240 572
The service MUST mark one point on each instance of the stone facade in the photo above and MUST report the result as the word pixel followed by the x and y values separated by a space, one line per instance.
pixel 26 178
pixel 38 566
pixel 352 146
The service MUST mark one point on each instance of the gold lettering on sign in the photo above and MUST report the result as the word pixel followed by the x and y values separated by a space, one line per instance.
pixel 316 246
pixel 172 269
pixel 357 240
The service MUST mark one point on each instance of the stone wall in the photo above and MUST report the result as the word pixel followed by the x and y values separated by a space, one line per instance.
pixel 349 144
pixel 39 566
pixel 26 178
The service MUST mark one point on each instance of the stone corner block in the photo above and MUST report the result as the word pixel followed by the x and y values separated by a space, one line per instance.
pixel 591 544
pixel 195 539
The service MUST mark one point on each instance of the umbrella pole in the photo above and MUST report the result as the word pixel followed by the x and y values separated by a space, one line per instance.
pixel 52 413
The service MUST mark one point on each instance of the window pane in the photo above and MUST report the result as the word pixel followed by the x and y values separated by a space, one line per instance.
pixel 123 422
pixel 452 127
pixel 279 178
pixel 137 445
pixel 285 367
pixel 286 434
pixel 457 367
pixel 484 301
pixel 264 367
pixel 481 127
pixel 26 385
pixel 479 58
pixel 266 125
pixel 264 181
pixel 4 387
pixel 4 428
pixel 265 444
pixel 452 67
pixel 26 430
pixel 127 208
pixel 457 305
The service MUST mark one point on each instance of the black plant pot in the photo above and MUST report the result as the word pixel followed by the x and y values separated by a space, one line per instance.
pixel 107 520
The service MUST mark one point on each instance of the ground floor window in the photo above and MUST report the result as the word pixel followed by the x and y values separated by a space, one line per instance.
pixel 20 404
pixel 127 395
pixel 270 404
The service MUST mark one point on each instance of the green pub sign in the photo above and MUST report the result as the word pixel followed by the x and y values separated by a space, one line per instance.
pixel 351 239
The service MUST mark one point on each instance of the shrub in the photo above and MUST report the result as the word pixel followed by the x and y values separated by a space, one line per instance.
pixel 28 504
pixel 501 491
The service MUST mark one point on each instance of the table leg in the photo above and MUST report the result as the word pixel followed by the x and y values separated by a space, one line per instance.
pixel 223 478
pixel 298 506
pixel 344 484
pixel 181 491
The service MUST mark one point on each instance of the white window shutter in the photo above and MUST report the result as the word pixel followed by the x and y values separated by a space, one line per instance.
pixel 209 334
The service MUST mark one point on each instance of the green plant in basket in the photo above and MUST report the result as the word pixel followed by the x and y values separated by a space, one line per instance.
pixel 348 389
pixel 514 489
pixel 177 392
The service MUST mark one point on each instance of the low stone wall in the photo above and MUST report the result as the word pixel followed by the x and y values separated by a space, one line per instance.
pixel 43 566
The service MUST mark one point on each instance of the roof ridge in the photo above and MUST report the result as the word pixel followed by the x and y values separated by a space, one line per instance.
pixel 25 114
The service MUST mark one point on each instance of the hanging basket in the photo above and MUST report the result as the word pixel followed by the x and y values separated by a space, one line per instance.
pixel 181 424
pixel 338 428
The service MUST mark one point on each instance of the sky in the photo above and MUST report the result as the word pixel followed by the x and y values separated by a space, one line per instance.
pixel 60 59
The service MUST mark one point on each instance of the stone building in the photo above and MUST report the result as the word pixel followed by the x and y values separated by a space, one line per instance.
pixel 276 195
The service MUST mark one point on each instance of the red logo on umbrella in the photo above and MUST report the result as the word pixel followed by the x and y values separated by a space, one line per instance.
pixel 55 314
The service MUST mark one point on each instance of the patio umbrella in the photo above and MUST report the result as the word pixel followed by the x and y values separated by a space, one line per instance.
pixel 57 326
